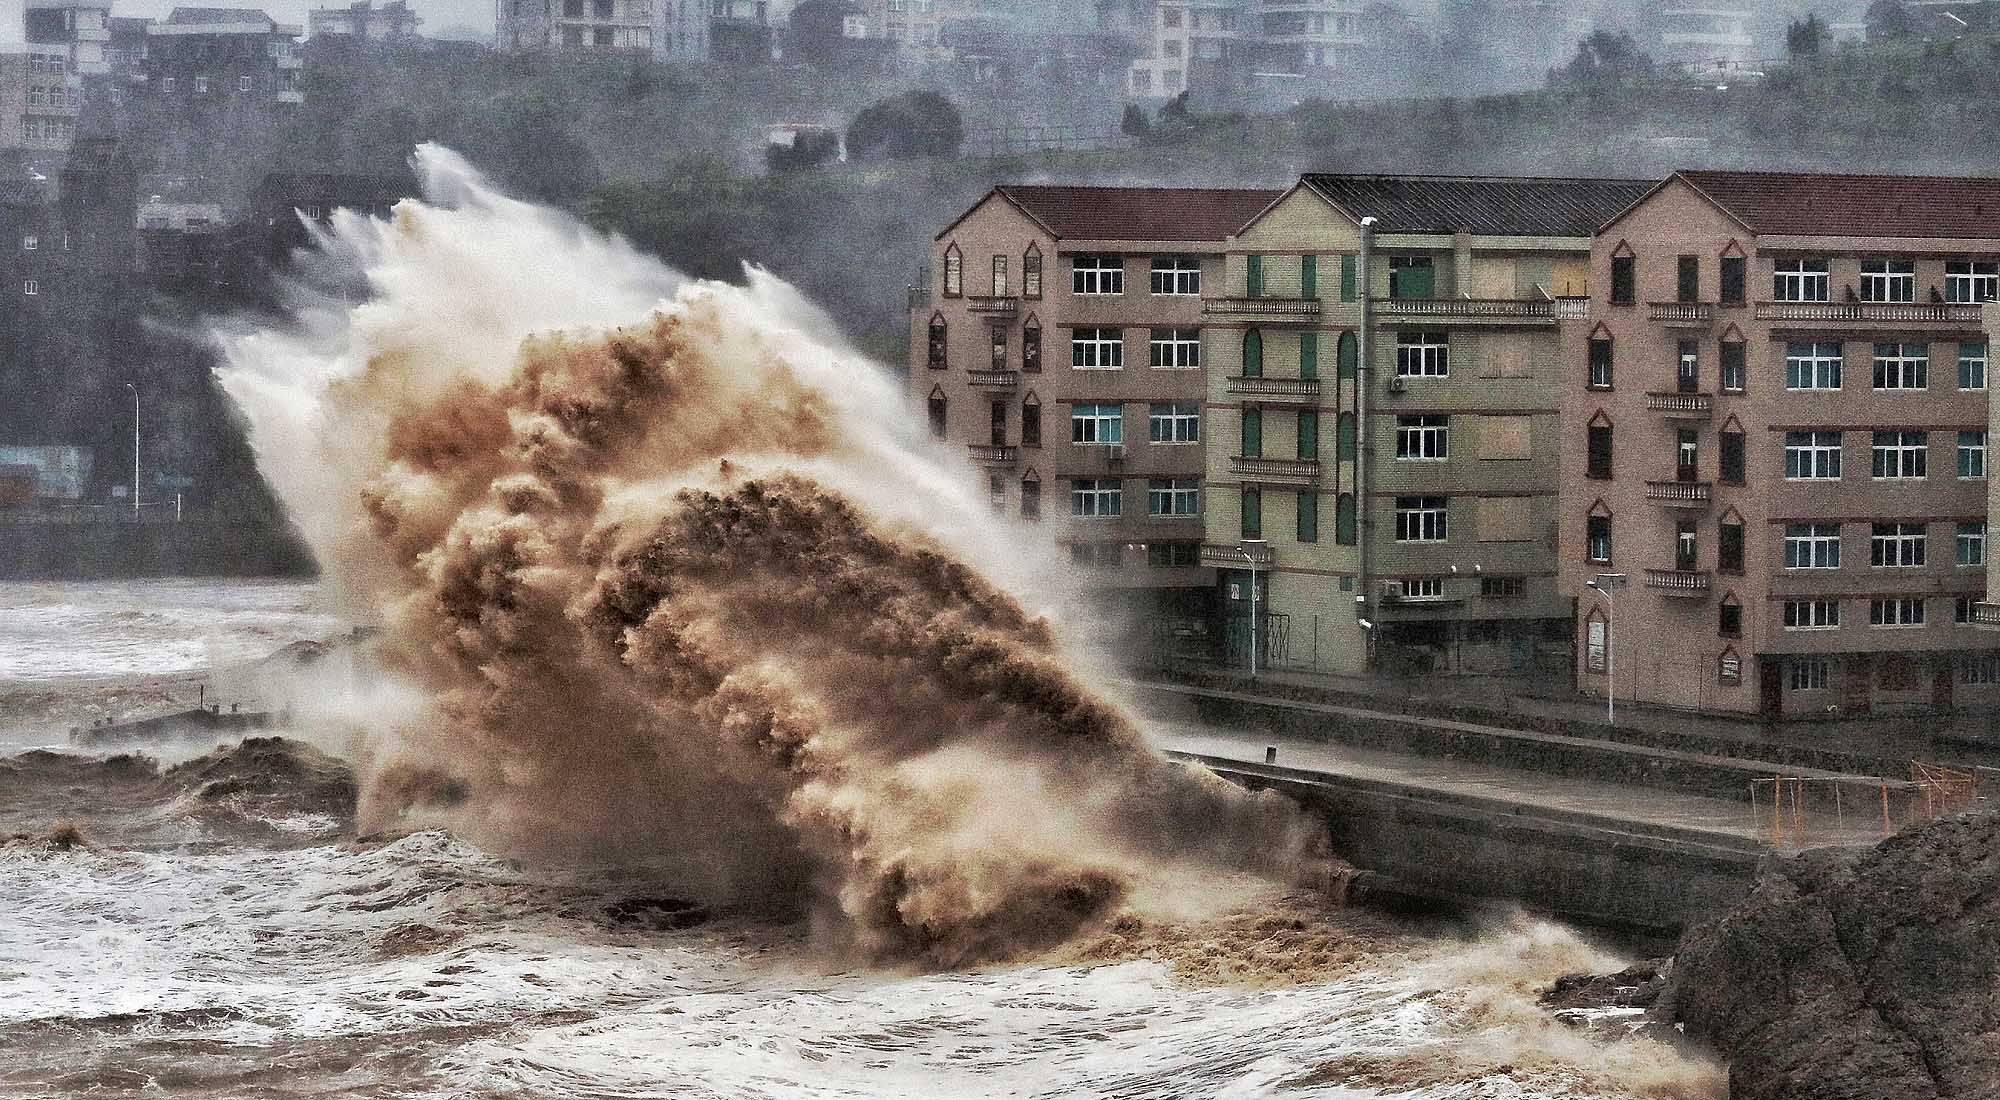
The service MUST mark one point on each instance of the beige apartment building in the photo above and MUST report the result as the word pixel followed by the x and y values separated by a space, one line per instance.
pixel 1059 342
pixel 1775 430
pixel 1384 369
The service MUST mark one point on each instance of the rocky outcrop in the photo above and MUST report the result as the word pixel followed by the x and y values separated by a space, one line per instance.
pixel 1857 975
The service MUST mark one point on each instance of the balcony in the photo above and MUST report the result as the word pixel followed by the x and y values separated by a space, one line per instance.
pixel 1681 494
pixel 1572 309
pixel 1229 556
pixel 1682 314
pixel 1684 583
pixel 1302 472
pixel 987 455
pixel 993 305
pixel 1487 311
pixel 1682 406
pixel 994 379
pixel 1305 391
pixel 1871 313
pixel 1986 614
pixel 291 96
pixel 1277 310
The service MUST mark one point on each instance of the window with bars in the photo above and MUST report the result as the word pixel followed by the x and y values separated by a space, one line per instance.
pixel 1174 422
pixel 1176 275
pixel 1812 455
pixel 1888 281
pixel 1097 423
pixel 1970 540
pixel 1812 365
pixel 1175 496
pixel 1972 453
pixel 1896 611
pixel 1424 438
pixel 1097 349
pixel 1096 497
pixel 1423 355
pixel 1897 545
pixel 1801 280
pixel 1097 274
pixel 1421 519
pixel 1812 614
pixel 1812 546
pixel 1900 454
pixel 1902 366
pixel 1176 348
pixel 1970 280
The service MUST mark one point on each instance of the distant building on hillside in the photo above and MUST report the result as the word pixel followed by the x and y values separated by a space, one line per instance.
pixel 1717 35
pixel 362 19
pixel 222 59
pixel 79 31
pixel 664 29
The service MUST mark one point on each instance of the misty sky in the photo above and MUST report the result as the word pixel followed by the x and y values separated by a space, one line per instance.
pixel 437 14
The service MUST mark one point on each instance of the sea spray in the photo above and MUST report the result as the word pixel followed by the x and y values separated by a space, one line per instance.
pixel 680 587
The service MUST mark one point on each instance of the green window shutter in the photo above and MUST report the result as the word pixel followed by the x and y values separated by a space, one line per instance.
pixel 1348 354
pixel 1308 516
pixel 1253 433
pixel 1308 276
pixel 1253 354
pixel 1308 354
pixel 1343 520
pixel 1308 434
pixel 1254 281
pixel 1253 514
pixel 1347 278
pixel 1346 440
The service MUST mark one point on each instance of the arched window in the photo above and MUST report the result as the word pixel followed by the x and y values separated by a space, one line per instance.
pixel 1349 353
pixel 954 272
pixel 1253 354
pixel 937 410
pixel 938 344
pixel 1343 520
pixel 1031 272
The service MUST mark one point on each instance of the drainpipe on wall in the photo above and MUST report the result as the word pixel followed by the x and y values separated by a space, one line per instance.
pixel 1361 448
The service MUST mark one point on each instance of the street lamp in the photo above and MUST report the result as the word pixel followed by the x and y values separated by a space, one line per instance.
pixel 135 447
pixel 1250 549
pixel 1604 584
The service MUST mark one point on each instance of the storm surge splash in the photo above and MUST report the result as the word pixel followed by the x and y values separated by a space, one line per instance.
pixel 673 583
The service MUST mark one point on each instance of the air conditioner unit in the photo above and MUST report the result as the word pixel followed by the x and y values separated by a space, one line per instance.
pixel 1392 591
pixel 1397 385
pixel 1115 454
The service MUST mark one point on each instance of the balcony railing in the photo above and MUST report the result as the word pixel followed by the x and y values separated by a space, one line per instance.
pixel 1573 309
pixel 1986 614
pixel 999 305
pixel 1276 471
pixel 1681 494
pixel 994 379
pixel 1682 313
pixel 1480 309
pixel 1900 313
pixel 1678 582
pixel 1682 406
pixel 1226 555
pixel 997 456
pixel 1282 308
pixel 1296 389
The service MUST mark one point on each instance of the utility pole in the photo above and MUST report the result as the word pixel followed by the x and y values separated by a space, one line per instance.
pixel 135 448
pixel 1250 548
pixel 1604 584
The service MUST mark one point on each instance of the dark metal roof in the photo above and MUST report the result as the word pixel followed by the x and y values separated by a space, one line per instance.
pixel 1488 205
pixel 1139 213
pixel 1809 204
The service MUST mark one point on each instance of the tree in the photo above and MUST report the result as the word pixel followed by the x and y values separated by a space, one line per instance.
pixel 1135 123
pixel 1890 19
pixel 809 149
pixel 1805 38
pixel 914 124
pixel 1605 58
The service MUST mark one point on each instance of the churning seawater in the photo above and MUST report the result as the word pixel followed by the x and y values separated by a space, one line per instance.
pixel 222 935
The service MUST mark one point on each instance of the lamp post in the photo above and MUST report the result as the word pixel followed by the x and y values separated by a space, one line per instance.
pixel 135 447
pixel 1250 548
pixel 1604 584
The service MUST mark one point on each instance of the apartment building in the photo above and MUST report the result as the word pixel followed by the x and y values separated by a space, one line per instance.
pixel 76 31
pixel 1775 433
pixel 1383 357
pixel 1060 343
pixel 661 28
pixel 1699 35
pixel 229 61
pixel 1191 44
pixel 393 21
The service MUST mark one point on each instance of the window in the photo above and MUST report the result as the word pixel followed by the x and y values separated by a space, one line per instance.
pixel 1096 497
pixel 1176 348
pixel 1812 366
pixel 1970 281
pixel 1687 371
pixel 1344 524
pixel 1423 438
pixel 1308 355
pixel 1031 499
pixel 1177 275
pixel 1253 354
pixel 1173 555
pixel 996 492
pixel 937 412
pixel 1971 544
pixel 999 348
pixel 1972 454
pixel 1031 422
pixel 1901 454
pixel 1176 422
pixel 1734 358
pixel 954 273
pixel 1729 619
pixel 939 346
pixel 1097 274
pixel 1597 539
pixel 1423 588
pixel 1308 516
pixel 1420 519
pixel 1308 276
pixel 30 287
pixel 167 84
pixel 1888 281
pixel 1896 545
pixel 243 83
pixel 30 243
pixel 1423 355
pixel 1812 614
pixel 1729 548
pixel 1733 280
pixel 1896 611
pixel 1097 349
pixel 1799 280
pixel 999 284
pixel 1962 609
pixel 1902 366
pixel 1808 673
pixel 1687 280
pixel 1308 435
pixel 1031 348
pixel 1600 363
pixel 1624 280
pixel 998 420
pixel 1412 277
pixel 1812 455
pixel 1503 588
pixel 1178 496
pixel 1812 546
pixel 1972 366
pixel 1730 459
pixel 1599 462
pixel 1097 424
pixel 1252 519
pixel 1253 275
pixel 1979 668
pixel 1031 273
pixel 201 85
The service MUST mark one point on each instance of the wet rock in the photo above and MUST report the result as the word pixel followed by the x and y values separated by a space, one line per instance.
pixel 1857 975
pixel 279 776
pixel 1636 986
pixel 654 914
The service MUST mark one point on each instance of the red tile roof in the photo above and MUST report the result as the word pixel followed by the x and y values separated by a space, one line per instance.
pixel 1140 213
pixel 1855 206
